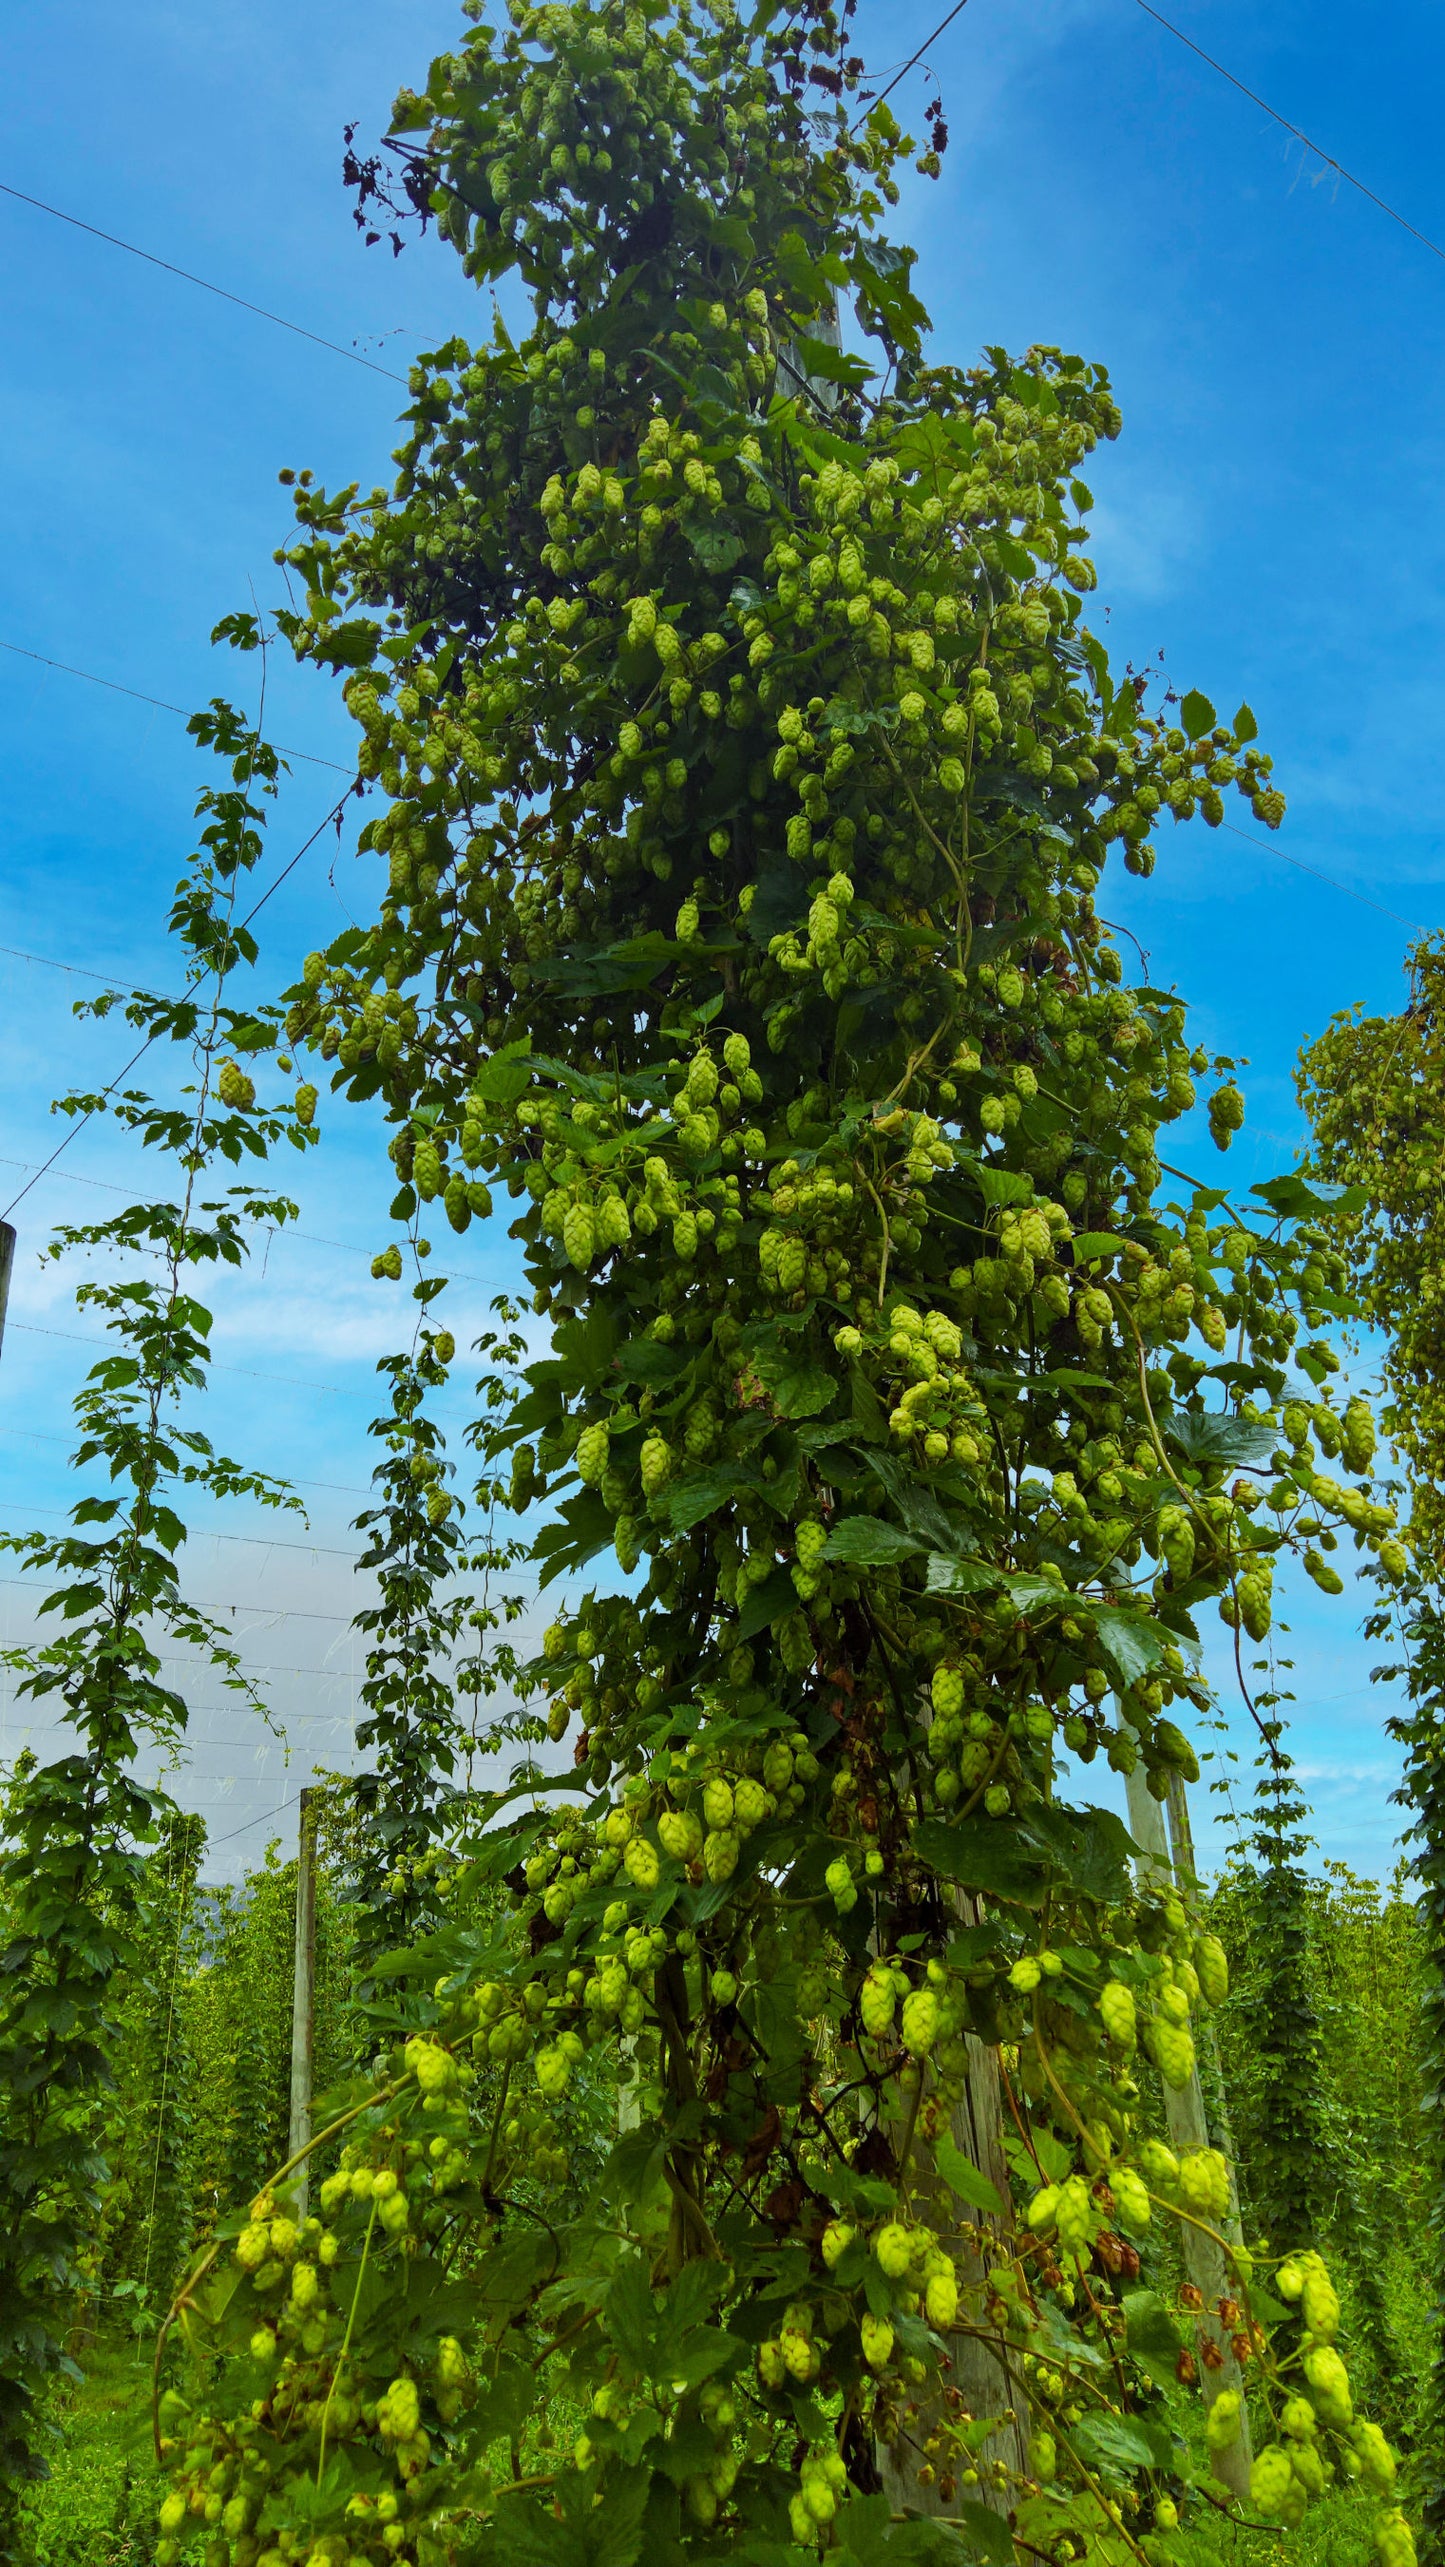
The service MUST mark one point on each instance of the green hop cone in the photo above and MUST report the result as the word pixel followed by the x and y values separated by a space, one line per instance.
pixel 840 1885
pixel 579 1235
pixel 1255 1601
pixel 1211 1967
pixel 1121 2021
pixel 614 1226
pixel 1271 2479
pixel 721 1847
pixel 656 1464
pixel 877 2338
pixel 1376 2459
pixel 592 1449
pixel 1204 2183
pixel 919 2024
pixel 1326 1578
pixel 948 1694
pixel 1394 2541
pixel 1131 2199
pixel 1171 2047
pixel 1226 1114
pixel 893 2247
pixel 1357 1441
pixel 1173 1749
pixel 877 2002
pixel 680 1835
pixel 1221 2424
pixel 1320 2302
pixel 1330 2382
pixel 641 1864
pixel 1076 2216
pixel 940 2298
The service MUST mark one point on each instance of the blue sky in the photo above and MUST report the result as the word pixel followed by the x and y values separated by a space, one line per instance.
pixel 1268 520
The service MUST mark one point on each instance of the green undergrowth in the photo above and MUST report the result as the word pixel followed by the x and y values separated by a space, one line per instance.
pixel 98 2507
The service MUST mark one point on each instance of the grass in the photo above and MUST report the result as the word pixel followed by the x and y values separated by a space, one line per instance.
pixel 98 2507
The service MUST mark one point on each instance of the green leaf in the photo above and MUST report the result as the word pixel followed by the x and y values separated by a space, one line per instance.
pixel 1091 1244
pixel 1220 1437
pixel 1120 2442
pixel 866 1542
pixel 916 1504
pixel 963 2177
pixel 651 1364
pixel 948 1576
pixel 766 1604
pixel 716 547
pixel 506 1076
pixel 999 1186
pixel 1154 2340
pixel 1245 725
pixel 805 1392
pixel 1293 1195
pixel 614 2529
pixel 981 1855
pixel 703 1492
pixel 1197 715
pixel 984 2535
pixel 1131 1643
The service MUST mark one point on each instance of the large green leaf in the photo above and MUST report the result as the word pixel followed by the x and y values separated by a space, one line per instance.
pixel 1119 2442
pixel 962 2177
pixel 767 1604
pixel 1154 2340
pixel 1131 1643
pixel 1218 1436
pixel 867 1542
pixel 982 1856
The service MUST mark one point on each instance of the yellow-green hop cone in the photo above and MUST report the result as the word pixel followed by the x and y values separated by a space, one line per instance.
pixel 579 1235
pixel 1043 2458
pixel 641 1864
pixel 1271 2477
pixel 893 2247
pixel 656 1464
pixel 1026 1974
pixel 592 1448
pixel 720 1851
pixel 717 1802
pixel 837 2237
pixel 1211 1967
pixel 1376 2459
pixel 1320 2302
pixel 920 2022
pixel 1172 2050
pixel 877 2002
pixel 1075 2217
pixel 940 2299
pixel 1204 2183
pixel 1221 2422
pixel 877 2337
pixel 1330 2382
pixel 681 1835
pixel 1120 2014
pixel 1158 2165
pixel 1131 2198
pixel 947 1691
pixel 1394 2541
